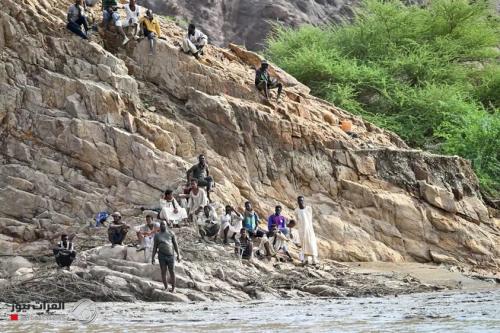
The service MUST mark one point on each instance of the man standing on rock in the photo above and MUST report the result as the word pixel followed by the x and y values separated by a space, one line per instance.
pixel 306 231
pixel 117 230
pixel 165 244
pixel 201 173
pixel 264 82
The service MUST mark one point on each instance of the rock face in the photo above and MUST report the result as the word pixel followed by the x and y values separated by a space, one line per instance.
pixel 84 130
pixel 249 22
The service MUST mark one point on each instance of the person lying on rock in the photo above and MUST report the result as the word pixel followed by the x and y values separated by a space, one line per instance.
pixel 201 173
pixel 197 200
pixel 165 244
pixel 194 42
pixel 171 211
pixel 251 221
pixel 243 246
pixel 151 28
pixel 309 246
pixel 64 252
pixel 208 224
pixel 278 220
pixel 133 12
pixel 117 230
pixel 76 18
pixel 110 15
pixel 264 82
pixel 146 232
pixel 231 223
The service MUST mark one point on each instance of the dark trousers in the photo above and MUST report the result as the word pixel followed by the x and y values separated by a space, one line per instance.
pixel 76 27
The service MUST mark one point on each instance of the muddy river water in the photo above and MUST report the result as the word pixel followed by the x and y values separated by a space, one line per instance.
pixel 452 311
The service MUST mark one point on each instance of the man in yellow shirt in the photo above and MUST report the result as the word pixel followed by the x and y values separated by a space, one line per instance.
pixel 151 28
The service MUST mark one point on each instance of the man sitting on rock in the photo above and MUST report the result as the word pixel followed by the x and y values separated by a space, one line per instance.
pixel 208 225
pixel 194 41
pixel 145 234
pixel 77 18
pixel 278 220
pixel 243 245
pixel 165 244
pixel 151 28
pixel 64 252
pixel 264 82
pixel 171 211
pixel 110 14
pixel 197 200
pixel 231 224
pixel 277 243
pixel 133 12
pixel 201 173
pixel 117 230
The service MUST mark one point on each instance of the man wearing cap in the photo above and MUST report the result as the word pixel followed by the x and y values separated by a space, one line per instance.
pixel 264 82
pixel 117 230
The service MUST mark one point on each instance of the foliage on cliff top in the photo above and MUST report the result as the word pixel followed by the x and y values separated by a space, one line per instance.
pixel 430 74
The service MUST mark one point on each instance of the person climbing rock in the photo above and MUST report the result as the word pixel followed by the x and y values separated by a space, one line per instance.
pixel 194 42
pixel 197 200
pixel 264 82
pixel 231 224
pixel 133 12
pixel 208 224
pixel 309 246
pixel 165 244
pixel 151 28
pixel 64 252
pixel 117 230
pixel 76 18
pixel 201 174
pixel 110 15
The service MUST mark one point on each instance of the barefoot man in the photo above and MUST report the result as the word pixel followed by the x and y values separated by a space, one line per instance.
pixel 306 231
pixel 165 243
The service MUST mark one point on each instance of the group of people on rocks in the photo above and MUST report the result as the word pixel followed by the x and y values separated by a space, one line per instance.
pixel 243 228
pixel 147 25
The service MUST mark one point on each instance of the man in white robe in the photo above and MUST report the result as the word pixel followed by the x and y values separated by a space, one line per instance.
pixel 194 41
pixel 171 211
pixel 309 246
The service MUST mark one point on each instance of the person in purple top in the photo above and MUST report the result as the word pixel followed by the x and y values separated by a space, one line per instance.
pixel 278 220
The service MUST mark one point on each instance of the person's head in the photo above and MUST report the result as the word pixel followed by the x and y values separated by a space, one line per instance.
pixel 64 237
pixel 273 229
pixel 169 195
pixel 191 29
pixel 291 224
pixel 229 209
pixel 264 64
pixel 149 219
pixel 243 233
pixel 132 3
pixel 194 184
pixel 300 201
pixel 206 210
pixel 163 226
pixel 248 206
pixel 149 14
pixel 79 2
pixel 202 159
pixel 116 217
pixel 277 210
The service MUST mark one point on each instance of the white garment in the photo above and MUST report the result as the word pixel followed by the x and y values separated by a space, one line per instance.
pixel 193 42
pixel 212 217
pixel 147 241
pixel 306 232
pixel 132 15
pixel 293 234
pixel 233 221
pixel 199 200
pixel 167 211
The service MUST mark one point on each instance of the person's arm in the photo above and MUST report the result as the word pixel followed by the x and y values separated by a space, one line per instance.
pixel 256 221
pixel 158 29
pixel 175 204
pixel 208 171
pixel 155 248
pixel 269 222
pixel 176 248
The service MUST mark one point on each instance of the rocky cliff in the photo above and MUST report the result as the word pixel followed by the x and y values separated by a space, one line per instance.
pixel 85 130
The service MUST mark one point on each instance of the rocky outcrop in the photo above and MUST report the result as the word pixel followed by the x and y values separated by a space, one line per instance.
pixel 84 130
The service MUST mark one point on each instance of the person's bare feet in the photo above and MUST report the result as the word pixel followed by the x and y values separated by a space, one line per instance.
pixel 172 290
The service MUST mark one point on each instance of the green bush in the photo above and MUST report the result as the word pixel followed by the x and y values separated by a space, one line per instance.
pixel 431 74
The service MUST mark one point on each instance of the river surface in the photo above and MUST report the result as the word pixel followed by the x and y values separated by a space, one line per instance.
pixel 453 311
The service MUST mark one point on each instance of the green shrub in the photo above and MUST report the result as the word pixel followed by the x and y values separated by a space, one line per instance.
pixel 431 74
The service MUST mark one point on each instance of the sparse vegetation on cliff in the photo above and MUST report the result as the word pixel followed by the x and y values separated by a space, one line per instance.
pixel 431 74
